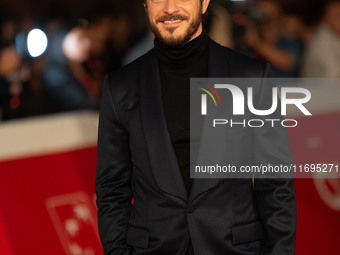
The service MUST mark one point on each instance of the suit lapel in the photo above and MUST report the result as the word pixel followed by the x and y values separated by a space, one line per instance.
pixel 163 159
pixel 218 67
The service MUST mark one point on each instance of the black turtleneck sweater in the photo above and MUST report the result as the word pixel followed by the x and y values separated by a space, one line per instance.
pixel 176 67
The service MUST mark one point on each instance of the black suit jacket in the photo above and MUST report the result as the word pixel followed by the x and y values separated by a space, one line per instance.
pixel 136 159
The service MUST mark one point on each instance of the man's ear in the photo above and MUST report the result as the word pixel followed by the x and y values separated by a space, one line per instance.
pixel 205 4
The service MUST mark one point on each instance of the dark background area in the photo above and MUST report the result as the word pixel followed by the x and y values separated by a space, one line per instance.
pixel 308 9
pixel 21 88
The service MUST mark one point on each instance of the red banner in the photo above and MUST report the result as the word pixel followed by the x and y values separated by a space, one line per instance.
pixel 47 201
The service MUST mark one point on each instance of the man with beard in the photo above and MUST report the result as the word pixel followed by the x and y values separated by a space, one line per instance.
pixel 144 154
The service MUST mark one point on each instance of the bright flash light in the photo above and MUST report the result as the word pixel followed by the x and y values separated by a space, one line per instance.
pixel 36 42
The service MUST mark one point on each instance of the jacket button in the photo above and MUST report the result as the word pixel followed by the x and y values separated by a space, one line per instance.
pixel 191 208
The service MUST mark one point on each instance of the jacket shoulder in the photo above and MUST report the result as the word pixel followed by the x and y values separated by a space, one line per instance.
pixel 128 73
pixel 239 65
pixel 123 82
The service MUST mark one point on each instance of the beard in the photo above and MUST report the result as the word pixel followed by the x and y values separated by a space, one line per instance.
pixel 175 41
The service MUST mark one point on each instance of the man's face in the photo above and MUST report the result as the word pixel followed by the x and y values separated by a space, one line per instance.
pixel 175 22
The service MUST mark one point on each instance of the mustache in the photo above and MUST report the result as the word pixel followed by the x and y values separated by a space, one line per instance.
pixel 171 17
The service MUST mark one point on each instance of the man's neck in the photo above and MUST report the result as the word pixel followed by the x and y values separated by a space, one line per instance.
pixel 184 58
pixel 197 33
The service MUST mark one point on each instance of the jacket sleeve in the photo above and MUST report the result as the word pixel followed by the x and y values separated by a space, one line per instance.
pixel 112 184
pixel 274 192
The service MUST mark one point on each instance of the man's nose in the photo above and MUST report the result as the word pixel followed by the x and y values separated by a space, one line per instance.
pixel 170 6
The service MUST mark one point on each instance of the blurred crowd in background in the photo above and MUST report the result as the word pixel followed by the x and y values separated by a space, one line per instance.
pixel 88 39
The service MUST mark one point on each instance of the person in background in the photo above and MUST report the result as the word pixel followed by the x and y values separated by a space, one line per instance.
pixel 265 35
pixel 122 36
pixel 67 85
pixel 99 63
pixel 16 93
pixel 295 27
pixel 322 56
pixel 143 45
pixel 9 64
pixel 219 23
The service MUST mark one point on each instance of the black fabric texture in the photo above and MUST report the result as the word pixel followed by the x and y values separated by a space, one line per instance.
pixel 176 67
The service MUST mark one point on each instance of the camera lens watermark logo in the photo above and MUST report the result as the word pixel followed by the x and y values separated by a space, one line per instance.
pixel 204 97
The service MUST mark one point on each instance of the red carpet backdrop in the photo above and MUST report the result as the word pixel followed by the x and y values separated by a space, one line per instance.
pixel 318 200
pixel 47 196
pixel 48 200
